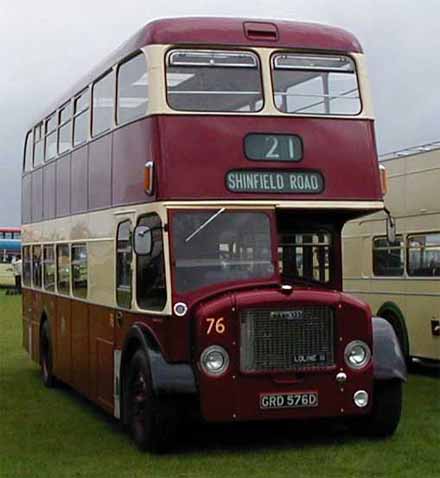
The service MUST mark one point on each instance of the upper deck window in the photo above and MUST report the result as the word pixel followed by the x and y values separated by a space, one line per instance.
pixel 51 137
pixel 81 118
pixel 28 152
pixel 38 145
pixel 316 84
pixel 132 98
pixel 103 101
pixel 65 134
pixel 214 80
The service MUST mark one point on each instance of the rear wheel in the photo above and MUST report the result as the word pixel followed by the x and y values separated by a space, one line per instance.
pixel 46 357
pixel 152 421
pixel 386 411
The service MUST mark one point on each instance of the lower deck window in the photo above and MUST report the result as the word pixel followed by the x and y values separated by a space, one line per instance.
pixel 79 270
pixel 388 257
pixel 424 255
pixel 49 268
pixel 63 269
pixel 36 266
pixel 27 266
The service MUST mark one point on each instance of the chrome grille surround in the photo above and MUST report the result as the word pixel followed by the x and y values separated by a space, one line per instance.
pixel 299 338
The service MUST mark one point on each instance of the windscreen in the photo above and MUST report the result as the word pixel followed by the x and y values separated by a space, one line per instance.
pixel 315 84
pixel 213 247
pixel 213 80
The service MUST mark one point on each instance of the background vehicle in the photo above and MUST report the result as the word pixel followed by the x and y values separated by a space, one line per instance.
pixel 401 280
pixel 10 243
pixel 185 250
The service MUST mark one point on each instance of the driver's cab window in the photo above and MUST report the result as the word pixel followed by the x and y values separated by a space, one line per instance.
pixel 150 271
pixel 124 256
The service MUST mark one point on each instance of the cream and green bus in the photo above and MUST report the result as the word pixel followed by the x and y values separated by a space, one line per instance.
pixel 401 279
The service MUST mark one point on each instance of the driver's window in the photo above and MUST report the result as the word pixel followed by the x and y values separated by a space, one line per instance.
pixel 150 279
pixel 124 256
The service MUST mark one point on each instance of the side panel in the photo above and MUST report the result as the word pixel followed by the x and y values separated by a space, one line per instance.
pixel 101 342
pixel 63 348
pixel 80 346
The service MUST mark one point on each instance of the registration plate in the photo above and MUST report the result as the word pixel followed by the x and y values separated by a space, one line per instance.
pixel 270 401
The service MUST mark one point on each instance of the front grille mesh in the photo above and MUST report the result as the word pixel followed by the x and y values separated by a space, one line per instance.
pixel 287 339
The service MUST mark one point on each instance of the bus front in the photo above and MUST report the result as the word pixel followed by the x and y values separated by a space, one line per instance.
pixel 265 154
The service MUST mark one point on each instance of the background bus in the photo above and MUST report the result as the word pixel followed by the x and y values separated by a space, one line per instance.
pixel 10 249
pixel 401 280
pixel 10 243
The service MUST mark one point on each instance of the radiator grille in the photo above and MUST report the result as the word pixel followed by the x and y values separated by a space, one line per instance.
pixel 287 339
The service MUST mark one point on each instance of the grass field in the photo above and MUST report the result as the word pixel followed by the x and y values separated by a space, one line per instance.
pixel 55 433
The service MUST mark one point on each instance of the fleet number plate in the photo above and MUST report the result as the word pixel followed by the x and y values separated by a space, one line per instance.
pixel 271 401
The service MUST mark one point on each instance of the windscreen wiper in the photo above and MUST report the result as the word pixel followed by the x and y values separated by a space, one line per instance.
pixel 208 221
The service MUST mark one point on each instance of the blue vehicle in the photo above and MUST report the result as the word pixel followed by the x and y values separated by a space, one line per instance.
pixel 10 243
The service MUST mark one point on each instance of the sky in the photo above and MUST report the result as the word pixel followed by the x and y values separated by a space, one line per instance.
pixel 47 45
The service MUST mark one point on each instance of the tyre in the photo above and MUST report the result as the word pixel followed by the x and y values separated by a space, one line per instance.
pixel 386 411
pixel 152 422
pixel 46 357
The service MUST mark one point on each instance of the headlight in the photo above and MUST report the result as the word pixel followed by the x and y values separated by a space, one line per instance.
pixel 357 354
pixel 214 360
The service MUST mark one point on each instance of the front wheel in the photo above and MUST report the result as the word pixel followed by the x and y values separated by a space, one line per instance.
pixel 151 421
pixel 386 411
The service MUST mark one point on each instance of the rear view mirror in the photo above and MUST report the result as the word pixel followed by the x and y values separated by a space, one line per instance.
pixel 143 241
pixel 391 227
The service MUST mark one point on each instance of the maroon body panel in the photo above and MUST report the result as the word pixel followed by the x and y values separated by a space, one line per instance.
pixel 212 148
pixel 79 175
pixel 241 402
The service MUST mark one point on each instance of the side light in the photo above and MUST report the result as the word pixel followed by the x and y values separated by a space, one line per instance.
pixel 383 179
pixel 148 177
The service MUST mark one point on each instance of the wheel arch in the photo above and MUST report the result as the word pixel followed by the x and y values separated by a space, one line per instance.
pixel 388 360
pixel 392 313
pixel 167 379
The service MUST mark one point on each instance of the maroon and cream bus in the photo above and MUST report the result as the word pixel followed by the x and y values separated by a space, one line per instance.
pixel 182 214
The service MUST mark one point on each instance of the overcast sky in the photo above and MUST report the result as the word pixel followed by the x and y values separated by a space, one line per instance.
pixel 47 45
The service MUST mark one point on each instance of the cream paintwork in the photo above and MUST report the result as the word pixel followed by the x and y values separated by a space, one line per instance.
pixel 98 230
pixel 157 90
pixel 413 201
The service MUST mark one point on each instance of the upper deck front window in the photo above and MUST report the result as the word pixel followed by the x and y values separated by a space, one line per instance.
pixel 316 84
pixel 214 80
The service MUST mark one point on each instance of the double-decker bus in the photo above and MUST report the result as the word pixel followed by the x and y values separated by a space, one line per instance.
pixel 182 208
pixel 401 279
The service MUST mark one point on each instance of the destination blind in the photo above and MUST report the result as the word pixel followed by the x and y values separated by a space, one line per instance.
pixel 299 182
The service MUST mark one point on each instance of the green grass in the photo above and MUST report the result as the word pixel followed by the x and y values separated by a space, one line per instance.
pixel 56 433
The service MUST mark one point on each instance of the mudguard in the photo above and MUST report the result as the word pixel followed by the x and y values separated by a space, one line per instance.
pixel 167 378
pixel 388 359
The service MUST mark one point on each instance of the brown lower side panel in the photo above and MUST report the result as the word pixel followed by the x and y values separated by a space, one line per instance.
pixel 82 348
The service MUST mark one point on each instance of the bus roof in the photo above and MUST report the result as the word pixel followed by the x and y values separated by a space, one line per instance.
pixel 239 32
